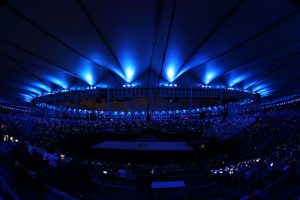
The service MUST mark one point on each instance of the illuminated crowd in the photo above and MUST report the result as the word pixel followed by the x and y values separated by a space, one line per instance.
pixel 271 163
pixel 50 131
pixel 265 150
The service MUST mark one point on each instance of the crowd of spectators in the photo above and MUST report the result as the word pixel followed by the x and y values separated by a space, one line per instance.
pixel 265 147
pixel 51 131
pixel 277 162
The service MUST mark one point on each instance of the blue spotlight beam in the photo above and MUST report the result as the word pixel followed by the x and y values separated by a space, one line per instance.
pixel 53 37
pixel 39 66
pixel 7 90
pixel 100 35
pixel 9 95
pixel 166 47
pixel 25 69
pixel 230 13
pixel 251 38
pixel 156 26
pixel 256 65
pixel 168 39
pixel 271 62
pixel 99 32
pixel 273 87
pixel 89 78
pixel 263 55
pixel 129 73
pixel 270 72
pixel 11 69
pixel 39 57
pixel 30 73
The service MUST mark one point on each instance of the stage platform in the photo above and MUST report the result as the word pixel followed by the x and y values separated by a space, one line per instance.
pixel 143 146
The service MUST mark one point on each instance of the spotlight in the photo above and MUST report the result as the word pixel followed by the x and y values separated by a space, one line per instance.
pixel 171 73
pixel 129 74
pixel 130 85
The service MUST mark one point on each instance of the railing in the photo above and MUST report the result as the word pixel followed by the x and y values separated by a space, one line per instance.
pixel 136 92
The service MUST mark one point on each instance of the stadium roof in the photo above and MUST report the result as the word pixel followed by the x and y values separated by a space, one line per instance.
pixel 52 44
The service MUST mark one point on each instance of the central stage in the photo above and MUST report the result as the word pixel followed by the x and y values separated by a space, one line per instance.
pixel 144 146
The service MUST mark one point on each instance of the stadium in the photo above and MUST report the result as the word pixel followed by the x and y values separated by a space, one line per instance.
pixel 150 99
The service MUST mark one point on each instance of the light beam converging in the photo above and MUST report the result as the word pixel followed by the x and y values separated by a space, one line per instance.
pixel 129 73
pixel 170 73
pixel 89 79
